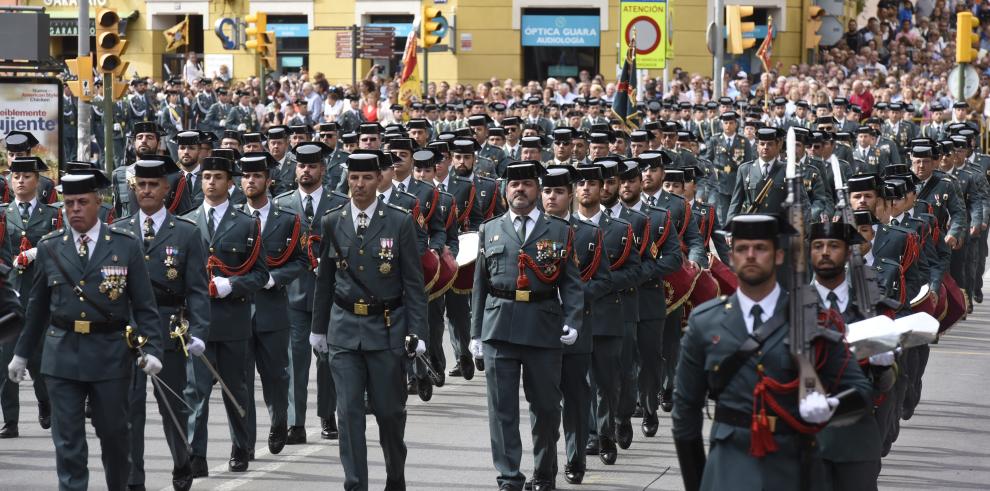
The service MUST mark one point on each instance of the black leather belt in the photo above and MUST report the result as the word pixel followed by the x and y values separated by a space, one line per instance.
pixel 744 419
pixel 523 295
pixel 361 308
pixel 87 327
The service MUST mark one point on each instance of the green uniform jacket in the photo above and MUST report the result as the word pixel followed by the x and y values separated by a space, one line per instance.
pixel 727 159
pixel 943 194
pixel 540 323
pixel 387 262
pixel 715 330
pixel 44 219
pixel 271 305
pixel 234 242
pixel 177 247
pixel 622 261
pixel 97 356
pixel 588 243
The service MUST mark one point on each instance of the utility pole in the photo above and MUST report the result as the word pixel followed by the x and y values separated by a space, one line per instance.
pixel 719 48
pixel 84 111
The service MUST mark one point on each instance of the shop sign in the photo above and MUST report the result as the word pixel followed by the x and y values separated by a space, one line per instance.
pixel 561 30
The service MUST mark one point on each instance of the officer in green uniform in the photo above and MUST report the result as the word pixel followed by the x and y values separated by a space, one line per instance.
pixel 174 256
pixel 268 347
pixel 336 159
pixel 727 150
pixel 547 298
pixel 369 267
pixel 21 144
pixel 310 201
pixel 91 282
pixel 242 116
pixel 215 119
pixel 284 174
pixel 172 120
pixel 735 350
pixel 851 454
pixel 237 269
pixel 146 138
pixel 25 220
pixel 70 115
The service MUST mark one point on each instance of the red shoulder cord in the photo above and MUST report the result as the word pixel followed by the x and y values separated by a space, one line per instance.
pixel 761 438
pixel 451 216
pixel 465 219
pixel 707 226
pixel 589 271
pixel 215 262
pixel 177 197
pixel 646 238
pixel 433 209
pixel 280 260
pixel 53 197
pixel 625 252
pixel 3 228
pixel 110 217
pixel 314 259
pixel 911 253
pixel 655 250
pixel 491 206
pixel 525 261
pixel 6 193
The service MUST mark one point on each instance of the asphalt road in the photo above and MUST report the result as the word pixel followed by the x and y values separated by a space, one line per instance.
pixel 944 446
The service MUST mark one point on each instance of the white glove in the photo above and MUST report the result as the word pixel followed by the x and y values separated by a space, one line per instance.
pixel 475 348
pixel 223 122
pixel 196 346
pixel 242 127
pixel 319 343
pixel 223 286
pixel 882 359
pixel 150 364
pixel 271 282
pixel 17 369
pixel 815 408
pixel 420 347
pixel 27 257
pixel 116 126
pixel 569 337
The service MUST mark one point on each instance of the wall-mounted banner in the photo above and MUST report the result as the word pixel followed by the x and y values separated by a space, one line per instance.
pixel 582 31
pixel 34 105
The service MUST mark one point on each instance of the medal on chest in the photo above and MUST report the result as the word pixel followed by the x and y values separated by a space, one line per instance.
pixel 114 281
pixel 171 262
pixel 386 254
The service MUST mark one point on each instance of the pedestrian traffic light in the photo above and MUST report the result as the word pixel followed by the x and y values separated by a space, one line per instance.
pixel 82 69
pixel 109 45
pixel 737 28
pixel 261 40
pixel 812 25
pixel 966 39
pixel 434 26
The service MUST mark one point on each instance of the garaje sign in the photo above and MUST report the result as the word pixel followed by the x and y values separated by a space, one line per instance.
pixel 648 18
pixel 561 30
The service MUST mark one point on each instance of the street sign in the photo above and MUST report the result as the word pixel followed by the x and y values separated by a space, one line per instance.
pixel 372 42
pixel 972 82
pixel 648 18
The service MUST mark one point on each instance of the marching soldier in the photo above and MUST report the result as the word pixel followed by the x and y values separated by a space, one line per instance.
pixel 936 130
pixel 378 300
pixel 70 116
pixel 21 144
pixel 563 148
pixel 146 137
pixel 284 174
pixel 26 220
pixel 547 297
pixel 268 347
pixel 869 158
pixel 215 119
pixel 174 257
pixel 745 451
pixel 310 201
pixel 727 151
pixel 851 454
pixel 899 130
pixel 237 269
pixel 205 99
pixel 242 116
pixel 91 280
pixel 336 159
pixel 171 121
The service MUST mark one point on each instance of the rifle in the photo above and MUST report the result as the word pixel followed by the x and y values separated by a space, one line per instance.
pixel 866 288
pixel 762 195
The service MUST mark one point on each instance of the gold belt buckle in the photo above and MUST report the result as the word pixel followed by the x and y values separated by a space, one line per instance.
pixel 522 295
pixel 361 309
pixel 772 423
pixel 82 327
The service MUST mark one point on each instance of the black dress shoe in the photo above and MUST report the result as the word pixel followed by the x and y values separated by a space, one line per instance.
pixel 297 435
pixel 479 364
pixel 543 485
pixel 667 400
pixel 277 438
pixel 608 453
pixel 650 425
pixel 442 376
pixel 412 386
pixel 467 368
pixel 592 447
pixel 44 415
pixel 329 428
pixel 978 296
pixel 198 466
pixel 425 390
pixel 638 412
pixel 238 460
pixel 456 371
pixel 9 430
pixel 182 478
pixel 573 474
pixel 624 434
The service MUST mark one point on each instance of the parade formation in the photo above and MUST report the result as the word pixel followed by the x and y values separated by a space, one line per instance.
pixel 778 264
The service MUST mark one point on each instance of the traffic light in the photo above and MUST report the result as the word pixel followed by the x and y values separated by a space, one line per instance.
pixel 812 25
pixel 82 68
pixel 966 39
pixel 119 88
pixel 434 26
pixel 737 28
pixel 261 40
pixel 109 45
